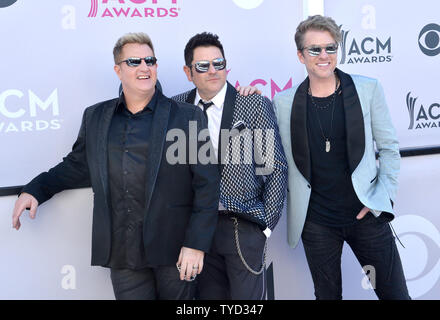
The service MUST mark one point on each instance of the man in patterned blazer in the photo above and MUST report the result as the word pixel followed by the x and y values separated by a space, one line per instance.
pixel 253 169
pixel 329 124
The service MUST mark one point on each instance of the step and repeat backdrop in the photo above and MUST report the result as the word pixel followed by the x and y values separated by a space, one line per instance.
pixel 56 60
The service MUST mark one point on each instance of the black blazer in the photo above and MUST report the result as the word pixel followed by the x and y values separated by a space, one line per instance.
pixel 181 199
pixel 251 196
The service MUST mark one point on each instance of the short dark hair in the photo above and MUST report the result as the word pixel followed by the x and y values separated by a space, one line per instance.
pixel 204 39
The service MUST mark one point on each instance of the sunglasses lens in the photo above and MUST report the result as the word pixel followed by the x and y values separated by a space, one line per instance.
pixel 219 64
pixel 150 61
pixel 331 49
pixel 202 66
pixel 314 51
pixel 133 62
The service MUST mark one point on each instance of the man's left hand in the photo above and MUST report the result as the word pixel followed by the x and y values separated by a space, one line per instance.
pixel 362 213
pixel 190 262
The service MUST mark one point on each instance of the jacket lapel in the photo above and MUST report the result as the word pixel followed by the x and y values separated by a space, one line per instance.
pixel 354 121
pixel 103 128
pixel 227 115
pixel 157 139
pixel 191 97
pixel 298 131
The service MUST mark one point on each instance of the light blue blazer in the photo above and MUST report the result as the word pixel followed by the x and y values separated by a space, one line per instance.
pixel 368 123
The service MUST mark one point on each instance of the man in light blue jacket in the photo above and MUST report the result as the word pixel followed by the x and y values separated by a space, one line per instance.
pixel 337 193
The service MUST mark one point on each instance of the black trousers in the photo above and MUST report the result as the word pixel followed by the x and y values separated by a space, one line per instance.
pixel 224 275
pixel 159 283
pixel 374 246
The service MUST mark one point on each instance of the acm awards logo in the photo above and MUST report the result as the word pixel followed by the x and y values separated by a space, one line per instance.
pixel 429 39
pixel 422 117
pixel 26 111
pixel 134 9
pixel 357 50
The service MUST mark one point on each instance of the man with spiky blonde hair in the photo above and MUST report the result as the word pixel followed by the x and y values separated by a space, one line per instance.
pixel 329 125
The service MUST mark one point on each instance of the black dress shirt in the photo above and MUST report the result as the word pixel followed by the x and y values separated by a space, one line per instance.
pixel 128 144
pixel 333 201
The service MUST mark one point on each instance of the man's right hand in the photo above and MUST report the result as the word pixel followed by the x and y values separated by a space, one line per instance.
pixel 24 201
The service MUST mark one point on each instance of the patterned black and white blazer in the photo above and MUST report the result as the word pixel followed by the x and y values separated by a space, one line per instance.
pixel 252 162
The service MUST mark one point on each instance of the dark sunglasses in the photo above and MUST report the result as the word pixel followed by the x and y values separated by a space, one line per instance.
pixel 134 62
pixel 203 66
pixel 315 51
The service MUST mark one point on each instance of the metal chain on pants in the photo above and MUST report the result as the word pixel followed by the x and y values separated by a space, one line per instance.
pixel 237 245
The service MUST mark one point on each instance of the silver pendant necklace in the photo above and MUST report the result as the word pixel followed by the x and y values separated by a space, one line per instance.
pixel 327 139
pixel 327 145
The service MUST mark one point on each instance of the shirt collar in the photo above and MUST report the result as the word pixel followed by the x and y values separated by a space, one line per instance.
pixel 122 105
pixel 219 98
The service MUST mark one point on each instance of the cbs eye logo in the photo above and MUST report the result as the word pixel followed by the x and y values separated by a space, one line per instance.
pixel 6 3
pixel 429 39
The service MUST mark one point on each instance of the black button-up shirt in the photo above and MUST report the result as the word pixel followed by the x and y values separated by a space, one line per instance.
pixel 128 144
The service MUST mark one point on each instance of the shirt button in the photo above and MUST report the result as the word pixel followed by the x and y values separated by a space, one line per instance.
pixel 125 172
pixel 128 210
pixel 126 191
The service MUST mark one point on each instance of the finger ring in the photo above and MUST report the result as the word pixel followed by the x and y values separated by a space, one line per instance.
pixel 192 278
pixel 195 267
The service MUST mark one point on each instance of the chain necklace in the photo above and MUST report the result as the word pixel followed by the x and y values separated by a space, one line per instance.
pixel 327 139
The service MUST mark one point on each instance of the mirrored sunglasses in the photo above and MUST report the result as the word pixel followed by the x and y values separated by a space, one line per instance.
pixel 134 62
pixel 203 66
pixel 315 51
